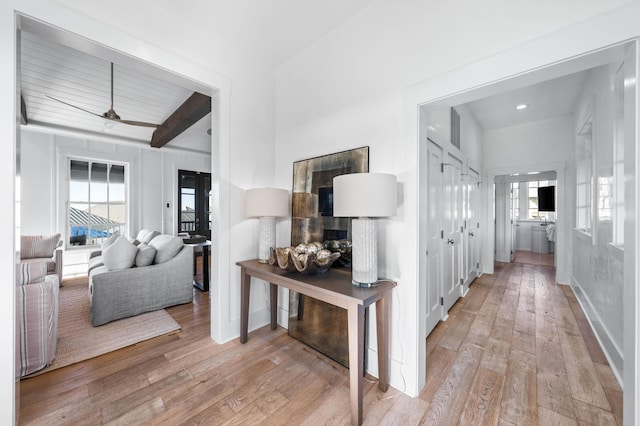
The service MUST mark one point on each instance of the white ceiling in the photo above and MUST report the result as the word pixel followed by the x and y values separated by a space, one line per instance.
pixel 545 100
pixel 270 30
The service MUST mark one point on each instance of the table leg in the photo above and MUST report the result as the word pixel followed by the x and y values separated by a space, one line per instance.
pixel 356 360
pixel 205 268
pixel 382 331
pixel 245 286
pixel 274 306
pixel 300 306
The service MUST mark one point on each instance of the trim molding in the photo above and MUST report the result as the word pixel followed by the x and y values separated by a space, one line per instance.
pixel 611 351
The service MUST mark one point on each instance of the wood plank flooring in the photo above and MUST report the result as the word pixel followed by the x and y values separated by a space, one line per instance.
pixel 515 351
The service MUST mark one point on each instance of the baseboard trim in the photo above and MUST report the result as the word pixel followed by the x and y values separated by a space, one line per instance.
pixel 611 351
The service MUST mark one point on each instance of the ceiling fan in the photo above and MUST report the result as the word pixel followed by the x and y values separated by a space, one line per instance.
pixel 111 114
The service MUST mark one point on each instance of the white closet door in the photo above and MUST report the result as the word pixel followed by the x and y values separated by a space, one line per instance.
pixel 472 230
pixel 434 239
pixel 452 232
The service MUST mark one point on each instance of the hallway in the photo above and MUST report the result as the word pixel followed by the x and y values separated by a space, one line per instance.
pixel 518 350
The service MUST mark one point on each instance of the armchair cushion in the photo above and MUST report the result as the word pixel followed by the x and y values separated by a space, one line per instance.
pixel 119 255
pixel 35 246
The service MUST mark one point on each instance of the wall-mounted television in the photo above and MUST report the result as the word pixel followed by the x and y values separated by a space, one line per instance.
pixel 547 199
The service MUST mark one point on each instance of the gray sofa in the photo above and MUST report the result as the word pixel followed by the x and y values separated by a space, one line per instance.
pixel 124 293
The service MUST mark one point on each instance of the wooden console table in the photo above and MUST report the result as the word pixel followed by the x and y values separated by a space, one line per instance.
pixel 333 287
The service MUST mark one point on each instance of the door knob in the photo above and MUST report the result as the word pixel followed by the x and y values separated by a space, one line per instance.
pixel 450 241
pixel 471 234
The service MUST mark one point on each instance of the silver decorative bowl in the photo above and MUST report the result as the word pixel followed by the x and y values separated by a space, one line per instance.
pixel 306 263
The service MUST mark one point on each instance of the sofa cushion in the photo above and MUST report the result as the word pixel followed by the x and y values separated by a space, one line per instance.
pixel 145 255
pixel 32 272
pixel 32 246
pixel 95 262
pixel 167 246
pixel 146 235
pixel 119 255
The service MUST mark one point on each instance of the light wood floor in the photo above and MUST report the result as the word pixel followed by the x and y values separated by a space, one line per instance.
pixel 532 258
pixel 517 350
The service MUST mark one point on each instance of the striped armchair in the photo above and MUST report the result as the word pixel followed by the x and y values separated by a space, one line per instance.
pixel 38 313
pixel 39 248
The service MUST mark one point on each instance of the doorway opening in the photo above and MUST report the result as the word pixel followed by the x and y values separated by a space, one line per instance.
pixel 194 203
pixel 506 145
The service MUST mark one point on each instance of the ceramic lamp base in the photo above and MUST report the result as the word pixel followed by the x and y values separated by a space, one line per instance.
pixel 364 262
pixel 267 238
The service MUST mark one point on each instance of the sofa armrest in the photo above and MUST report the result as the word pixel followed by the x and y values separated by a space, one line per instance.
pixel 57 256
pixel 95 253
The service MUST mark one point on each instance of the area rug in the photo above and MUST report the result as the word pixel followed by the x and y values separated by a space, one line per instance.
pixel 78 340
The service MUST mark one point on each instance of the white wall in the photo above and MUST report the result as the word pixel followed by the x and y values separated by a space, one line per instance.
pixel 598 267
pixel 350 89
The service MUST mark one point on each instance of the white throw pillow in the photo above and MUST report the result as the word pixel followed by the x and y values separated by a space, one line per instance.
pixel 146 235
pixel 167 246
pixel 112 239
pixel 145 255
pixel 119 255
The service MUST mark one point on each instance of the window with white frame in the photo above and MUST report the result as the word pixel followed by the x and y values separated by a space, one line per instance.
pixel 618 159
pixel 532 200
pixel 584 176
pixel 97 201
pixel 515 200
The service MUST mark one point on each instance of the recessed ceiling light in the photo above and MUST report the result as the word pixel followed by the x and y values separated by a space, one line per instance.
pixel 522 106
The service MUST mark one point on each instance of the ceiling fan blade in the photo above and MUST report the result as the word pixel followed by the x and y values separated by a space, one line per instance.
pixel 74 106
pixel 137 123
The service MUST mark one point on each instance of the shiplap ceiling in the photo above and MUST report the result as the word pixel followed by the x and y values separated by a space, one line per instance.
pixel 545 100
pixel 50 68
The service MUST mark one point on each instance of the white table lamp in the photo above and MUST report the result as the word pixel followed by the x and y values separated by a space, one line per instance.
pixel 266 204
pixel 363 196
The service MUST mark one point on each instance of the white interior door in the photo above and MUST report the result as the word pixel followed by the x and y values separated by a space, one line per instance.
pixel 472 226
pixel 434 236
pixel 513 223
pixel 452 169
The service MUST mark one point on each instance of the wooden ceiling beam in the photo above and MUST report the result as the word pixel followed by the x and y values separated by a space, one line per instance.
pixel 23 111
pixel 189 113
